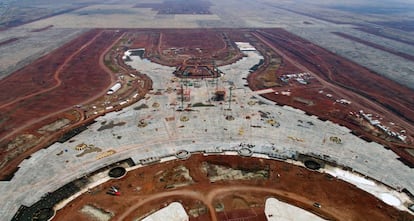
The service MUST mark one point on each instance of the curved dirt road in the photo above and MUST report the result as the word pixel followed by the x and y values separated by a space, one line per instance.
pixel 55 75
pixel 209 198
pixel 11 165
pixel 59 82
pixel 339 90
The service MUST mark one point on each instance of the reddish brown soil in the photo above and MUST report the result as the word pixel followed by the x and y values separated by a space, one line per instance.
pixel 342 78
pixel 377 46
pixel 238 198
pixel 49 88
pixel 13 157
pixel 187 46
pixel 208 41
pixel 66 77
pixel 345 73
pixel 39 75
pixel 141 40
pixel 192 39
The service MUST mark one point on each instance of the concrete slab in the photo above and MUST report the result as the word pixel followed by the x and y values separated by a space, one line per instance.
pixel 206 128
pixel 173 212
pixel 276 210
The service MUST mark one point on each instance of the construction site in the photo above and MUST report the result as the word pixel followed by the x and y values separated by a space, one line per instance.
pixel 68 92
pixel 217 124
pixel 229 187
pixel 320 83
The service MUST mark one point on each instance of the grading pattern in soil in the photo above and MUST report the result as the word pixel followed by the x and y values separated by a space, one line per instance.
pixel 333 88
pixel 54 84
pixel 336 89
pixel 187 46
pixel 46 89
pixel 238 191
pixel 58 88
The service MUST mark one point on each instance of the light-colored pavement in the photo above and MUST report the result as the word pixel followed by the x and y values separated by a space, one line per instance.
pixel 276 210
pixel 203 128
pixel 174 212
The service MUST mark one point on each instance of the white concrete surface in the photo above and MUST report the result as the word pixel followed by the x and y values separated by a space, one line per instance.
pixel 386 194
pixel 206 129
pixel 276 210
pixel 173 212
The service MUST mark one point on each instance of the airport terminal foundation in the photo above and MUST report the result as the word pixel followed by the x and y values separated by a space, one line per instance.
pixel 265 129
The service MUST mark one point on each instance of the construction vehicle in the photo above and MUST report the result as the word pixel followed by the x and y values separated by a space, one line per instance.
pixel 114 191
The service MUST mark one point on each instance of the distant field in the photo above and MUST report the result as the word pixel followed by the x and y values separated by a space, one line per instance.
pixel 21 15
pixel 405 25
pixel 179 7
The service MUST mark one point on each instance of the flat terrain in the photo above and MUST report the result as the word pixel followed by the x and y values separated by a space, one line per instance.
pixel 240 189
pixel 331 79
pixel 15 13
pixel 152 129
pixel 54 84
pixel 52 90
pixel 178 7
pixel 183 47
pixel 400 54
pixel 347 64
pixel 336 79
pixel 21 46
pixel 306 20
